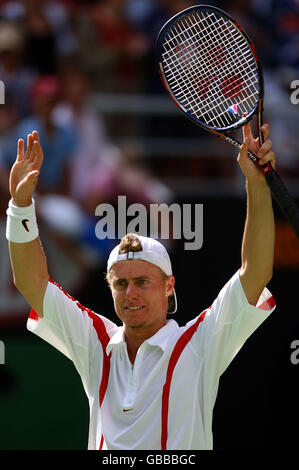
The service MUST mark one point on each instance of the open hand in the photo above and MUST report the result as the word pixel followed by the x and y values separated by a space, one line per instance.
pixel 25 171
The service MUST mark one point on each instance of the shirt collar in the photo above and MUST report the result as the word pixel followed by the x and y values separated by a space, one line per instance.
pixel 160 339
pixel 116 339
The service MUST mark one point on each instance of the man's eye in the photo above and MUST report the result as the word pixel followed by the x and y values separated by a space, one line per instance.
pixel 120 283
pixel 143 282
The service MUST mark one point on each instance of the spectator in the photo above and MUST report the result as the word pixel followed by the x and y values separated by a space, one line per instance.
pixel 120 48
pixel 8 119
pixel 101 171
pixel 17 77
pixel 148 17
pixel 93 148
pixel 256 21
pixel 48 32
pixel 286 24
pixel 59 141
pixel 62 216
pixel 129 177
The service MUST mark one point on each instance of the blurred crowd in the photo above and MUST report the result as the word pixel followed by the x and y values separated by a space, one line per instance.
pixel 56 54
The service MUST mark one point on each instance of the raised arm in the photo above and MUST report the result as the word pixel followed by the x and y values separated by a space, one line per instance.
pixel 258 238
pixel 28 260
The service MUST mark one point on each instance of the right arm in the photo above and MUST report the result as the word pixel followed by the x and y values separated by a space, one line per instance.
pixel 72 329
pixel 28 261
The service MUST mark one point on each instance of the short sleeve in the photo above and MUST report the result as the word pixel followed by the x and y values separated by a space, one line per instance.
pixel 228 323
pixel 74 330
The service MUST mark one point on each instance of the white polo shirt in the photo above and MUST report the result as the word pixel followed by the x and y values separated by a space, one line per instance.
pixel 166 400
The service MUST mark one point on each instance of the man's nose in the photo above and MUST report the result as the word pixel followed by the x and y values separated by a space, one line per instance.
pixel 131 292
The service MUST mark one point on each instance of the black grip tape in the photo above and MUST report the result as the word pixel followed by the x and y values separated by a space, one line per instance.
pixel 287 205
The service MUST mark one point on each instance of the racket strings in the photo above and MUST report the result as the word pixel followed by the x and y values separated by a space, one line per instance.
pixel 199 60
pixel 182 90
pixel 249 67
pixel 207 63
pixel 212 59
pixel 205 73
pixel 217 90
pixel 237 61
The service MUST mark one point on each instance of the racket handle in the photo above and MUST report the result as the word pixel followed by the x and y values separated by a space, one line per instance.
pixel 280 193
pixel 266 168
pixel 287 205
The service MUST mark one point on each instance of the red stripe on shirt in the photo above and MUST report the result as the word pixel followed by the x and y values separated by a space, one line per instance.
pixel 104 340
pixel 177 351
pixel 268 304
pixel 33 315
pixel 102 442
pixel 103 337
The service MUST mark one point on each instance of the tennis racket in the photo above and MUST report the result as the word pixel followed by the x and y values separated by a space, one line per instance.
pixel 211 71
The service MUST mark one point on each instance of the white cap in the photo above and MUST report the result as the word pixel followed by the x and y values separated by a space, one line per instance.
pixel 152 251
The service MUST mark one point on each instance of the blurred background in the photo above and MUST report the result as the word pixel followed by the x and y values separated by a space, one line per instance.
pixel 83 74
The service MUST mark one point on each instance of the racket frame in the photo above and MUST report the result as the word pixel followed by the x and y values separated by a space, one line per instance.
pixel 278 189
pixel 219 131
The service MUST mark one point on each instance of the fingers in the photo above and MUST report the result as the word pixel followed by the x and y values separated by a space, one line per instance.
pixel 28 154
pixel 265 148
pixel 269 157
pixel 246 141
pixel 37 153
pixel 34 153
pixel 247 133
pixel 35 136
pixel 265 128
pixel 32 177
pixel 20 150
pixel 265 154
pixel 244 149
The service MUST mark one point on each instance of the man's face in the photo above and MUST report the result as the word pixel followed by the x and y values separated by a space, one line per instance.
pixel 140 295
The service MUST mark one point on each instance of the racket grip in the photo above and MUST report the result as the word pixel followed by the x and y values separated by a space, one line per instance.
pixel 266 168
pixel 287 205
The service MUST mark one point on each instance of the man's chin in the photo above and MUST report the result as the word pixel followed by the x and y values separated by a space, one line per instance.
pixel 135 325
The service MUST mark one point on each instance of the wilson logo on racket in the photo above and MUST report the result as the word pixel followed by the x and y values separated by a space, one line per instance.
pixel 231 86
pixel 202 85
pixel 215 56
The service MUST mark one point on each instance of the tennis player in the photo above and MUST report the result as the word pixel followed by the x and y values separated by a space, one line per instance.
pixel 151 384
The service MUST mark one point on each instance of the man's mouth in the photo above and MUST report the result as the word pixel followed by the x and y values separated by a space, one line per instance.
pixel 138 307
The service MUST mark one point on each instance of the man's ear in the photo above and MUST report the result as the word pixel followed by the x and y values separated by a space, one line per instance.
pixel 170 282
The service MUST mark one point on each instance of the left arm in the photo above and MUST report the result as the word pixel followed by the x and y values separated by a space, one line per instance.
pixel 258 238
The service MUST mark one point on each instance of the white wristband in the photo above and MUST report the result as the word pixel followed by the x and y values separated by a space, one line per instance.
pixel 21 226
